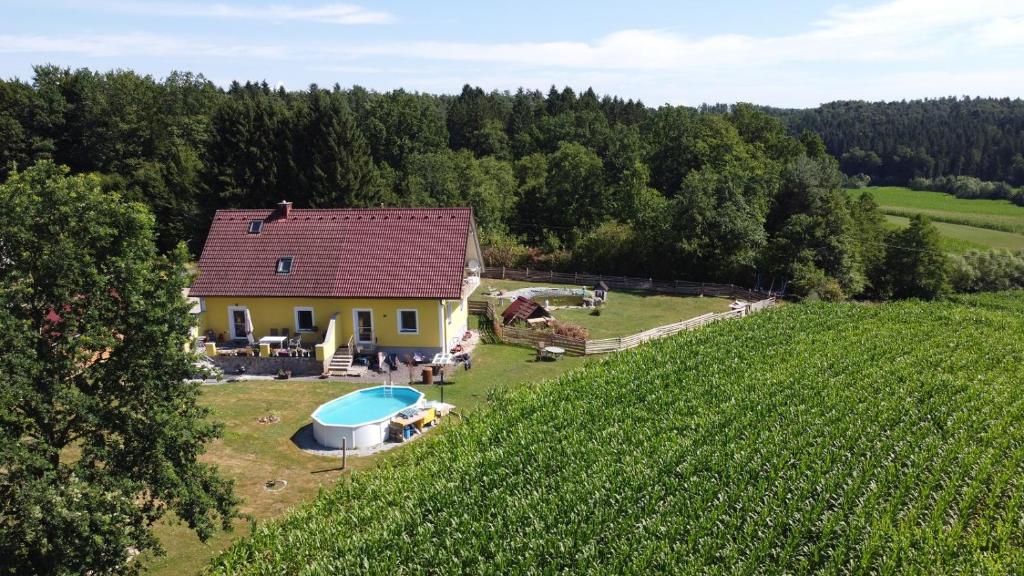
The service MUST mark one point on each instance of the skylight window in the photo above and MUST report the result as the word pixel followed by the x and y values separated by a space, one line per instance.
pixel 255 226
pixel 284 265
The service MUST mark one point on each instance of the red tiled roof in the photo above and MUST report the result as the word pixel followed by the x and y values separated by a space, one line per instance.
pixel 523 308
pixel 340 253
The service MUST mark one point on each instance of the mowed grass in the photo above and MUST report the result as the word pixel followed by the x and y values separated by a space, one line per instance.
pixel 958 238
pixel 625 313
pixel 251 453
pixel 1000 215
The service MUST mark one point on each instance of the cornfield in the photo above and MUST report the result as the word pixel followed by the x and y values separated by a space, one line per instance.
pixel 818 438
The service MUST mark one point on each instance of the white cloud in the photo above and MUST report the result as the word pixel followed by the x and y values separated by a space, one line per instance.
pixel 900 30
pixel 327 13
pixel 110 45
pixel 897 49
pixel 1001 32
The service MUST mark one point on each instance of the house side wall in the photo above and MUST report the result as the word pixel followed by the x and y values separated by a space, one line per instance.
pixel 457 323
pixel 267 313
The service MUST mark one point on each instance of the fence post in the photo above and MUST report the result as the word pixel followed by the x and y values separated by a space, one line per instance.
pixel 502 272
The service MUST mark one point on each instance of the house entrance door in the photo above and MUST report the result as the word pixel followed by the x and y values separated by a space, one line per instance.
pixel 364 326
pixel 238 331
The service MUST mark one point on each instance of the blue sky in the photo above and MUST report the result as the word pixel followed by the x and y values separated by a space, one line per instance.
pixel 784 54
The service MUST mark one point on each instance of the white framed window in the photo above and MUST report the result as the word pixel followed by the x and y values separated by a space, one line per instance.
pixel 284 265
pixel 304 319
pixel 409 321
pixel 255 226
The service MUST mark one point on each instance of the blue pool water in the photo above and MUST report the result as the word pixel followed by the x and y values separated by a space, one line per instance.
pixel 366 405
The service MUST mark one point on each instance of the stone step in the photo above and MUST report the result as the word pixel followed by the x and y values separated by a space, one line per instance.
pixel 339 365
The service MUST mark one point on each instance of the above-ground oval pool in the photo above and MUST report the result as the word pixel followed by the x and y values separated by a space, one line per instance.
pixel 362 417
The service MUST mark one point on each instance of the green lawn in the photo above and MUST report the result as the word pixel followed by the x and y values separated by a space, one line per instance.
pixel 959 238
pixel 625 313
pixel 940 207
pixel 252 453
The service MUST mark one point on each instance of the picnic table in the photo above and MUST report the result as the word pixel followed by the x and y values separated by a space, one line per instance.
pixel 553 352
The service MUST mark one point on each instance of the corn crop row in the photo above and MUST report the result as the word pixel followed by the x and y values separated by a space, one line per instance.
pixel 832 439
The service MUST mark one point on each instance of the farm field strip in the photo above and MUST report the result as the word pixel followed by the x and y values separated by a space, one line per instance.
pixel 959 238
pixel 941 207
pixel 818 437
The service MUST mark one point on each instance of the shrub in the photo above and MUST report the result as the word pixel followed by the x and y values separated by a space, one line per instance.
pixel 990 271
pixel 969 187
pixel 504 250
pixel 812 283
pixel 856 181
pixel 568 329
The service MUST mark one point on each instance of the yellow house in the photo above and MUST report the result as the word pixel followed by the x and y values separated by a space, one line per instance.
pixel 343 281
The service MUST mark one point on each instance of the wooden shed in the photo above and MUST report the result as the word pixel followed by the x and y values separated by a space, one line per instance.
pixel 523 309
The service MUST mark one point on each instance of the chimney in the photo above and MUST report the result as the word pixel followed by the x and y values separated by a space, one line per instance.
pixel 284 208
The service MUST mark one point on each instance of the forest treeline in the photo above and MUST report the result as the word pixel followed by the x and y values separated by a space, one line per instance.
pixel 558 179
pixel 896 142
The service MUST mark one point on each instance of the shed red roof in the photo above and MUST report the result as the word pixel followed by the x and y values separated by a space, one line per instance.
pixel 340 253
pixel 523 308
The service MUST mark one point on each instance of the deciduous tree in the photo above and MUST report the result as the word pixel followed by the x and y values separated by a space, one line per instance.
pixel 101 432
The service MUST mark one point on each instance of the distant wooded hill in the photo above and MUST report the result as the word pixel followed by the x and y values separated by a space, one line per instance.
pixel 895 142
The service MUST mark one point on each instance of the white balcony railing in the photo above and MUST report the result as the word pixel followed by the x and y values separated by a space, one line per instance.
pixel 469 284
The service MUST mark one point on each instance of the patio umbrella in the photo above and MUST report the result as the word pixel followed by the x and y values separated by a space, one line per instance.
pixel 248 326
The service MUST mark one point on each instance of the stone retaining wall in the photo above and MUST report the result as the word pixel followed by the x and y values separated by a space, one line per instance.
pixel 268 366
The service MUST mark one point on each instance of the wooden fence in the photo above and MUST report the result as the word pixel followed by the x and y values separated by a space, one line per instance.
pixel 577 347
pixel 672 287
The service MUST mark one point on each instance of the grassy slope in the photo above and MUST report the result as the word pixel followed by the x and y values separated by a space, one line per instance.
pixel 625 313
pixel 958 238
pixel 836 438
pixel 252 453
pixel 994 214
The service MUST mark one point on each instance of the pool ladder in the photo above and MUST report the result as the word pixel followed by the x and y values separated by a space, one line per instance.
pixel 388 390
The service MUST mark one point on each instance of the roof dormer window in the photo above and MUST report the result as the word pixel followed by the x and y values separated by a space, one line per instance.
pixel 284 265
pixel 255 226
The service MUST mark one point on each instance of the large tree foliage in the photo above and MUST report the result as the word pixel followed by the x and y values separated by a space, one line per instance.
pixel 720 193
pixel 893 142
pixel 330 163
pixel 915 265
pixel 811 229
pixel 101 433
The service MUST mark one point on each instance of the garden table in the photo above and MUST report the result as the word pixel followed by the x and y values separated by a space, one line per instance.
pixel 554 352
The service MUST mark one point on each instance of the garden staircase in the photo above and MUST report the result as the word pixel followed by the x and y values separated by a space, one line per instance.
pixel 340 362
